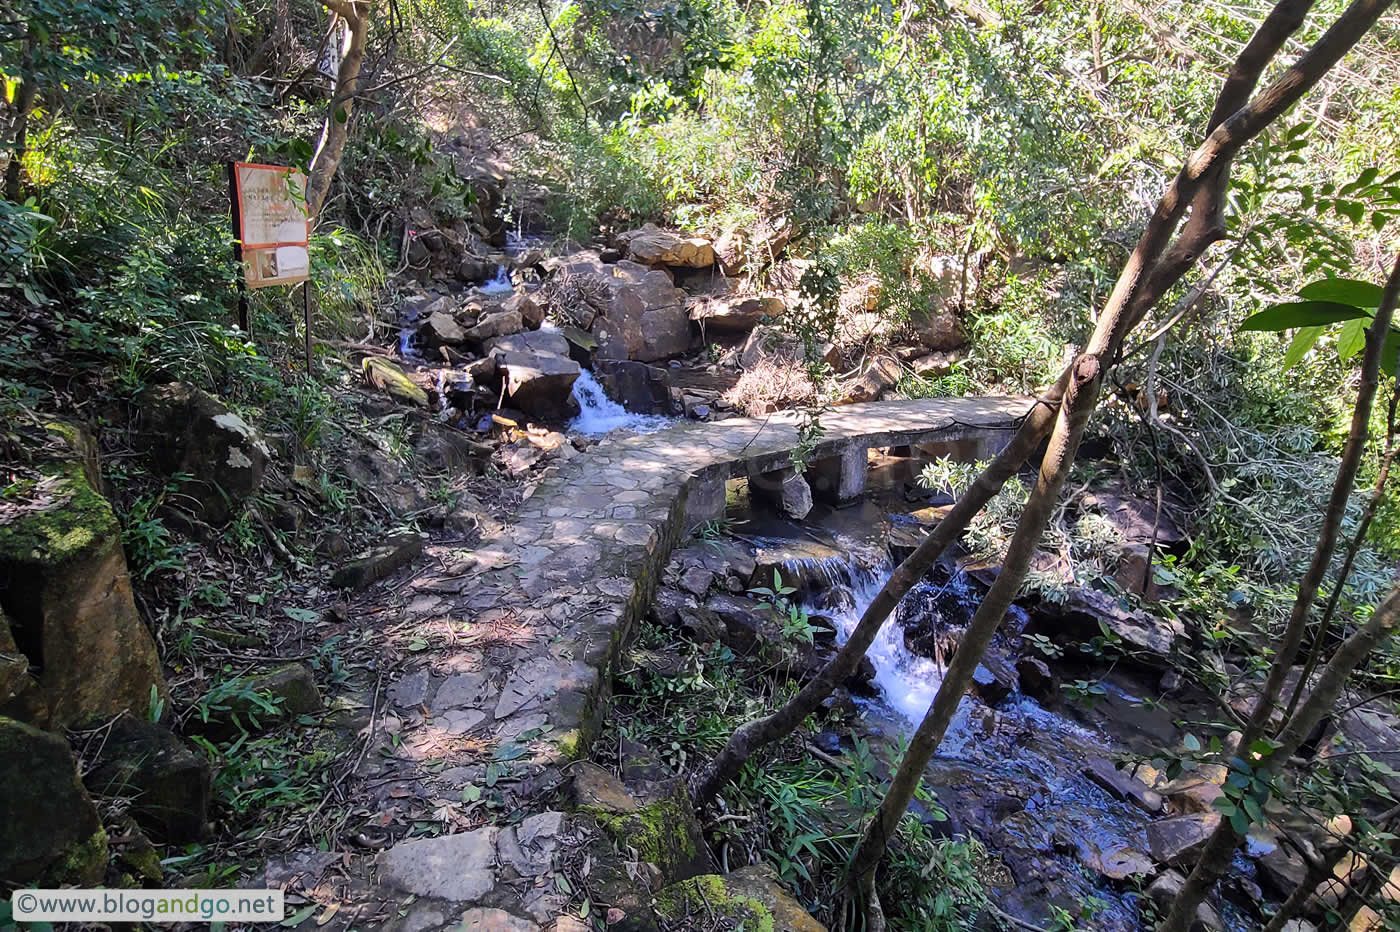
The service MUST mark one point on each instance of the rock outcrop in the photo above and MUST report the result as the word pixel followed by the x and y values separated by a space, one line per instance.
pixel 192 433
pixel 653 246
pixel 49 829
pixel 68 604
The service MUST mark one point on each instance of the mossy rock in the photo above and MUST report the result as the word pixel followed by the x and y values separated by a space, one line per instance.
pixel 49 829
pixel 390 379
pixel 663 832
pixel 69 609
pixel 753 896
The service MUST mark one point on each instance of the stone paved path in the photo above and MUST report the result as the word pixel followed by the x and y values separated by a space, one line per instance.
pixel 507 649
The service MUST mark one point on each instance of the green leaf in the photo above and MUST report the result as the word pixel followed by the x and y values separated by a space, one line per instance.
pixel 1352 339
pixel 1303 341
pixel 1301 314
pixel 471 793
pixel 1390 351
pixel 1224 806
pixel 1343 291
pixel 300 916
pixel 304 615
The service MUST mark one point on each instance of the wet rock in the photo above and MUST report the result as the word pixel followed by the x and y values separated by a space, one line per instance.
pixel 540 384
pixel 457 868
pixel 993 680
pixel 49 829
pixel 167 782
pixel 396 551
pixel 190 432
pixel 382 374
pixel 441 329
pixel 531 311
pixel 731 314
pixel 549 342
pixel 495 324
pixel 1036 679
pixel 73 647
pixel 638 387
pixel 1124 786
pixel 653 246
pixel 1120 862
pixel 750 897
pixel 1178 841
pixel 1163 892
pixel 880 374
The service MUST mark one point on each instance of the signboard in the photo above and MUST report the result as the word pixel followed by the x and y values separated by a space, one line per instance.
pixel 271 223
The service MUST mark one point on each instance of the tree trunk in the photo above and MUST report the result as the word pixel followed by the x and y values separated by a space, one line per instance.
pixel 1074 414
pixel 1216 856
pixel 331 146
pixel 25 97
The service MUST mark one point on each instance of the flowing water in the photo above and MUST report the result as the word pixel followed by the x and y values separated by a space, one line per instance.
pixel 599 414
pixel 1011 774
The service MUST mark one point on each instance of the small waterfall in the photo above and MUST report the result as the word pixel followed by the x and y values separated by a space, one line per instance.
pixel 599 414
pixel 500 284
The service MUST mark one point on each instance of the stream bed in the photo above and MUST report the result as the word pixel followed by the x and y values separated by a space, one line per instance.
pixel 1014 772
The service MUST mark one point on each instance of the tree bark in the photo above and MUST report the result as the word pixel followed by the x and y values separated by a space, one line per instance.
pixel 331 146
pixel 1074 413
pixel 1216 856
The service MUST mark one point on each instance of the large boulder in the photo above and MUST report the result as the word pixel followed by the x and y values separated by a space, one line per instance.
pixel 938 329
pixel 539 384
pixel 638 387
pixel 190 432
pixel 653 246
pixel 552 342
pixel 69 610
pixel 167 782
pixel 49 829
pixel 646 318
pixel 1143 530
pixel 770 343
pixel 739 251
pixel 441 329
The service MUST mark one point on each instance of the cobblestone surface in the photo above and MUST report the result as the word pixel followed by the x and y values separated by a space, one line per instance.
pixel 525 629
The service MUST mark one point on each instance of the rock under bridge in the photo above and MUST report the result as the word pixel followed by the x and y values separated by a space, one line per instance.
pixel 523 632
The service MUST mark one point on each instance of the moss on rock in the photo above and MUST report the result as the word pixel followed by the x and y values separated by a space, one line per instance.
pixel 663 832
pixel 753 895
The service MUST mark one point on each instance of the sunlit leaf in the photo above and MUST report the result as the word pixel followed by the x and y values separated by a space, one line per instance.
pixel 1343 291
pixel 1352 339
pixel 1303 341
pixel 1301 314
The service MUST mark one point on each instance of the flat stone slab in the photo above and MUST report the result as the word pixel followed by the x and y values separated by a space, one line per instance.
pixel 458 868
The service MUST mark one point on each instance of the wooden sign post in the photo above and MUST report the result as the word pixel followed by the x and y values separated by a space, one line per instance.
pixel 271 230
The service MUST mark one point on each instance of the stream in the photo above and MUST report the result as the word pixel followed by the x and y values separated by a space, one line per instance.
pixel 1012 773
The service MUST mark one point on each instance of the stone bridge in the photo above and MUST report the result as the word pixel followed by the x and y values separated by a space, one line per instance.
pixel 508 649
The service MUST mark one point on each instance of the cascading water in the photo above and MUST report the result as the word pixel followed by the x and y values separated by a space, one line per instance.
pixel 499 284
pixel 599 414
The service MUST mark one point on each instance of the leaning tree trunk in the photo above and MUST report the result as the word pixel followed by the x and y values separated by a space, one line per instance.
pixel 1074 414
pixel 331 146
pixel 1223 841
pixel 1156 264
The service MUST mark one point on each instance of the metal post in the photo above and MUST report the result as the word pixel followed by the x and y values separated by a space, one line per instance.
pixel 306 323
